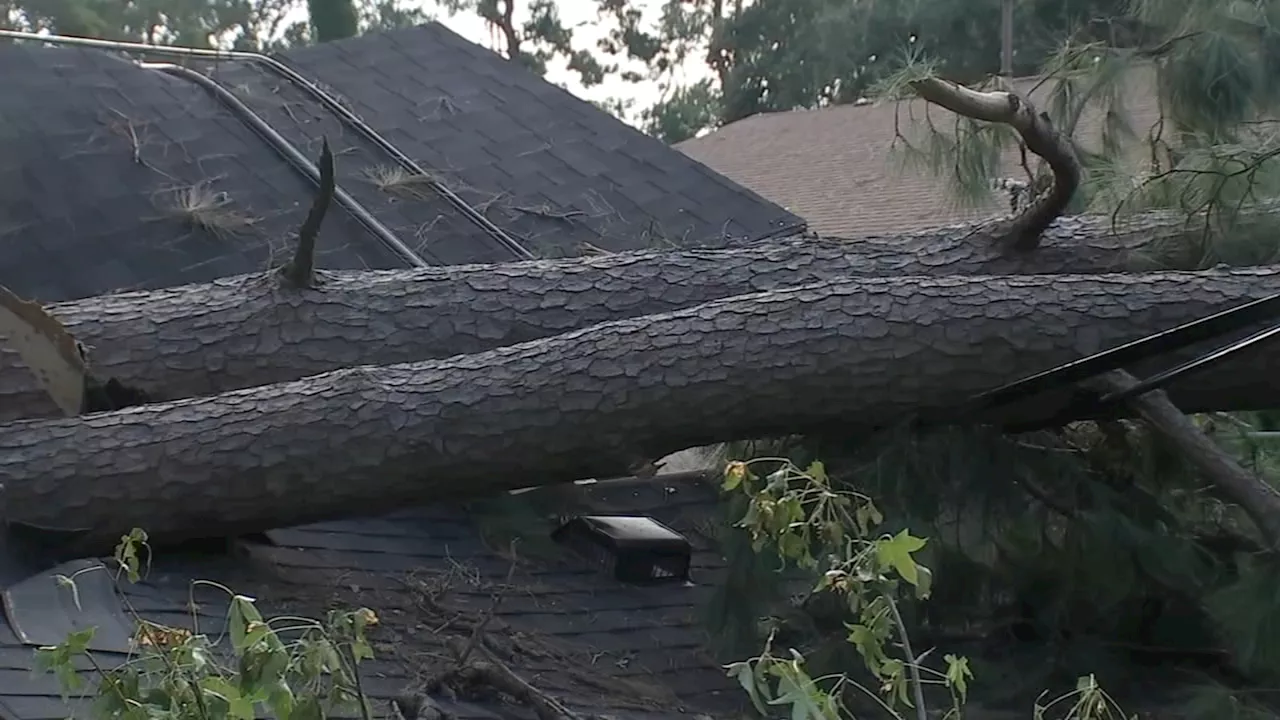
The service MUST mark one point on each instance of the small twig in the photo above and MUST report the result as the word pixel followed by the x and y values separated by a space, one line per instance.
pixel 348 655
pixel 542 212
pixel 496 674
pixel 300 271
pixel 913 667
pixel 478 631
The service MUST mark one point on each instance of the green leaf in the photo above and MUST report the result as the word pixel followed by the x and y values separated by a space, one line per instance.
pixel 818 472
pixel 308 708
pixel 867 643
pixel 281 700
pixel 239 707
pixel 894 678
pixel 243 618
pixel 735 473
pixel 746 677
pixel 958 675
pixel 791 546
pixel 126 553
pixel 78 642
pixel 924 586
pixel 896 552
pixel 867 517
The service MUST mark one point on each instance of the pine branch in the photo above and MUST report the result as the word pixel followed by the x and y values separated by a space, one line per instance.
pixel 1036 131
pixel 1259 500
pixel 300 271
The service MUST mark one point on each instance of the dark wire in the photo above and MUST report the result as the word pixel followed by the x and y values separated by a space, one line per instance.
pixel 1168 341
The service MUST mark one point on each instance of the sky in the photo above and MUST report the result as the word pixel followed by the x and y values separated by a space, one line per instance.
pixel 581 17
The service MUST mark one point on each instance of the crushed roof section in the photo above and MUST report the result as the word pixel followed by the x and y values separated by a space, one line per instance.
pixel 575 633
pixel 836 166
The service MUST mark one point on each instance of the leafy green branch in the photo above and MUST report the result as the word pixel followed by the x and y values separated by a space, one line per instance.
pixel 294 668
pixel 837 533
pixel 815 526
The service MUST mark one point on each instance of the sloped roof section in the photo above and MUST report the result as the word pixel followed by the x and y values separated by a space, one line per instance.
pixel 150 179
pixel 836 166
pixel 107 171
pixel 555 172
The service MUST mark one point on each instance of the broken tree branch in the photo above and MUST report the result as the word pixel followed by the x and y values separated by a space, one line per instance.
pixel 300 272
pixel 365 440
pixel 54 358
pixel 1040 137
pixel 477 632
pixel 240 332
pixel 1254 496
pixel 493 673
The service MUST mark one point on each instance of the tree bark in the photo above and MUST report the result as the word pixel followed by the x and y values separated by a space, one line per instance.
pixel 243 332
pixel 589 403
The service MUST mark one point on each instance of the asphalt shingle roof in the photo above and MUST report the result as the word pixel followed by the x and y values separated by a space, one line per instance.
pixel 80 216
pixel 836 166
pixel 595 644
pixel 94 152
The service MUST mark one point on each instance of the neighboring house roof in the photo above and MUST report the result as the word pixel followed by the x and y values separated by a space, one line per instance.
pixel 836 168
pixel 95 152
pixel 92 148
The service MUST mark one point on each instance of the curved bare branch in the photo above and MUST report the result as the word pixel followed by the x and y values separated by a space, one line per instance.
pixel 1035 129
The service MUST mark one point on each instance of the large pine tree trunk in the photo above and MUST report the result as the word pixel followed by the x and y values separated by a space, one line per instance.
pixel 591 403
pixel 242 332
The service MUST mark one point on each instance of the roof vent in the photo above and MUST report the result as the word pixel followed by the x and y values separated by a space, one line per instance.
pixel 637 550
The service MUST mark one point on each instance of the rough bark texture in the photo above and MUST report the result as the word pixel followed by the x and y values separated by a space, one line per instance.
pixel 247 331
pixel 588 403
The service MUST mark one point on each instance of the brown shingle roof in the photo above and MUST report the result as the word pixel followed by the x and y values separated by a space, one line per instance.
pixel 834 166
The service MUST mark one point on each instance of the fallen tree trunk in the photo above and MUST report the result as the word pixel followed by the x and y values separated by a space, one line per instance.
pixel 243 332
pixel 590 403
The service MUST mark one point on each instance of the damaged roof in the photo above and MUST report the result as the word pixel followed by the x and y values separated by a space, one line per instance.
pixel 599 646
pixel 153 176
pixel 115 176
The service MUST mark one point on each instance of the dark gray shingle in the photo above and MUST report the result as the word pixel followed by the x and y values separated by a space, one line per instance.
pixel 94 156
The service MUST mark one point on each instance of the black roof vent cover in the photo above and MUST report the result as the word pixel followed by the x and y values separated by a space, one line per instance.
pixel 637 550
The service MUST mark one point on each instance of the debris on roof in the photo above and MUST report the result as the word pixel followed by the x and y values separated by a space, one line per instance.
pixel 150 178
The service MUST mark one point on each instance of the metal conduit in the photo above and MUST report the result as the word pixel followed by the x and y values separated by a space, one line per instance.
pixel 330 102
pixel 292 154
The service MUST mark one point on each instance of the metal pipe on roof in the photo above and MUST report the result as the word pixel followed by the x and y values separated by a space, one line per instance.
pixel 293 155
pixel 311 88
